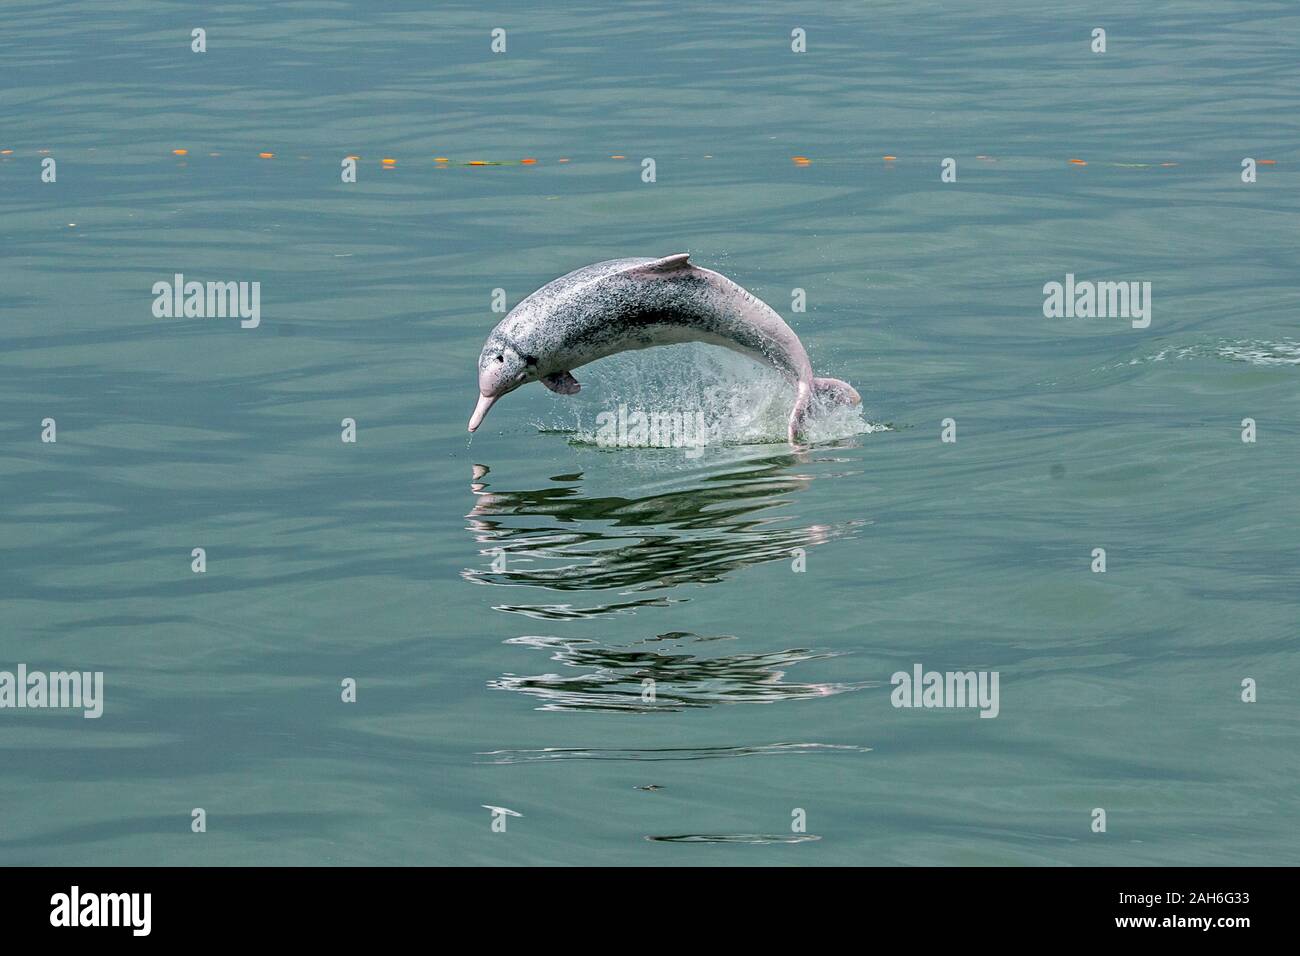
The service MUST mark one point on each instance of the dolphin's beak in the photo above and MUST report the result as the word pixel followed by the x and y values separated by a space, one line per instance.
pixel 481 410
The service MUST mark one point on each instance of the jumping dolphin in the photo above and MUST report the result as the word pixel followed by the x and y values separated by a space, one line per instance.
pixel 624 304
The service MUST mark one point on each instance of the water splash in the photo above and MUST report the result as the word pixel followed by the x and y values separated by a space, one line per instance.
pixel 1262 353
pixel 1255 352
pixel 701 396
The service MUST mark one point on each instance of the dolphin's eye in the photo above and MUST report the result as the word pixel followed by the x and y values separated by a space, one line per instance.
pixel 530 360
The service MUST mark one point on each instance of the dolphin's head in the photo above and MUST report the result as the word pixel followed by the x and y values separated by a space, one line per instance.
pixel 501 369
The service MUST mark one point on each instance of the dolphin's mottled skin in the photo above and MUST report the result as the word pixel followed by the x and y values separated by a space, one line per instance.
pixel 624 304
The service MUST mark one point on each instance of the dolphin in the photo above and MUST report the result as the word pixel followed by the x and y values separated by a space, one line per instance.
pixel 625 304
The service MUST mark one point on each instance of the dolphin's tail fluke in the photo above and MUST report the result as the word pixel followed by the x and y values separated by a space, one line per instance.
pixel 824 391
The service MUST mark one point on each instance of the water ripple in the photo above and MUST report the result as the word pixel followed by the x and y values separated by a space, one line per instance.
pixel 665 753
pixel 749 838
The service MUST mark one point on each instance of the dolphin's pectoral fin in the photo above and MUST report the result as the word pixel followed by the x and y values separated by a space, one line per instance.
pixel 562 383
pixel 667 263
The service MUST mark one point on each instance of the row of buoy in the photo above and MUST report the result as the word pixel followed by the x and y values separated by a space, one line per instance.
pixel 805 161
pixel 389 162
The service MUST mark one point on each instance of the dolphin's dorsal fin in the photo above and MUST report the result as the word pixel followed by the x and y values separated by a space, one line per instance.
pixel 667 263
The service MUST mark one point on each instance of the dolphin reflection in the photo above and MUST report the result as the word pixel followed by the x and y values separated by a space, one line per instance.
pixel 612 679
pixel 561 539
